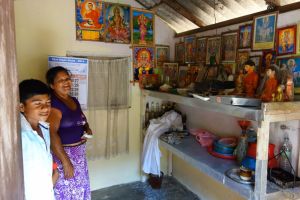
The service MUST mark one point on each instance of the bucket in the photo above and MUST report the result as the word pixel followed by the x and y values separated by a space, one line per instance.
pixel 155 180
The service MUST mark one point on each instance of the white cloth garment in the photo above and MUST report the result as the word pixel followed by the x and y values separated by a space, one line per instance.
pixel 37 162
pixel 151 153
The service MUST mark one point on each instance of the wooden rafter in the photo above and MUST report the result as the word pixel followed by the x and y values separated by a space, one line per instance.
pixel 280 9
pixel 184 12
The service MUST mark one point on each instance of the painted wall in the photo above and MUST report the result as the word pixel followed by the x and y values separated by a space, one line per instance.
pixel 48 28
pixel 200 183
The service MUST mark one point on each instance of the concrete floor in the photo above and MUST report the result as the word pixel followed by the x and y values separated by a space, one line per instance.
pixel 170 190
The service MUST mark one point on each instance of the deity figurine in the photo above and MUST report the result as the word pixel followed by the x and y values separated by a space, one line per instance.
pixel 250 79
pixel 239 83
pixel 270 87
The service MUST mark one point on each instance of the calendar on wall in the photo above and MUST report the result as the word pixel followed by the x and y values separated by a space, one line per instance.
pixel 79 70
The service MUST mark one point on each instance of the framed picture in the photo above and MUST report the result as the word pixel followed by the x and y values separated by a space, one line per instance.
pixel 241 58
pixel 201 49
pixel 182 76
pixel 148 81
pixel 244 38
pixel 298 40
pixel 293 65
pixel 194 70
pixel 143 61
pixel 89 20
pixel 286 40
pixel 257 60
pixel 190 49
pixel 264 31
pixel 179 52
pixel 170 71
pixel 162 54
pixel 213 50
pixel 229 46
pixel 230 68
pixel 268 59
pixel 142 27
pixel 117 23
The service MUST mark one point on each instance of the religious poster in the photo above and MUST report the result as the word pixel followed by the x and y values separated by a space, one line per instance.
pixel 117 20
pixel 162 54
pixel 244 38
pixel 179 52
pixel 143 61
pixel 264 31
pixel 201 49
pixel 286 40
pixel 79 70
pixel 229 46
pixel 213 51
pixel 90 20
pixel 293 66
pixel 142 27
pixel 268 59
pixel 190 49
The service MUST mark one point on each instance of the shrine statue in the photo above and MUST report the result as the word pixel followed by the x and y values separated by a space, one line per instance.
pixel 250 79
pixel 270 86
pixel 239 83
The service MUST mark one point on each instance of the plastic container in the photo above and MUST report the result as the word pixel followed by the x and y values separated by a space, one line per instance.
pixel 155 181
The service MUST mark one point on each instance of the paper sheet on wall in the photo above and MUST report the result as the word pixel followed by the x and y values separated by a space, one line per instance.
pixel 79 70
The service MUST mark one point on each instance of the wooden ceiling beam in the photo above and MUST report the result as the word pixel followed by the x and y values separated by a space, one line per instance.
pixel 280 9
pixel 184 12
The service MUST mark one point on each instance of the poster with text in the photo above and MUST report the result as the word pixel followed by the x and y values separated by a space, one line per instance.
pixel 79 70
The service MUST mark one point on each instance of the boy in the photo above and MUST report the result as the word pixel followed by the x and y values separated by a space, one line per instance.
pixel 37 159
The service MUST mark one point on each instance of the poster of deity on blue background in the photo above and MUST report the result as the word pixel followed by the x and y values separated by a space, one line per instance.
pixel 142 27
pixel 293 66
pixel 264 31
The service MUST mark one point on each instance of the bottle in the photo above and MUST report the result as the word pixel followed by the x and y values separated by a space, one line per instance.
pixel 285 158
pixel 147 115
pixel 163 109
pixel 157 110
pixel 152 111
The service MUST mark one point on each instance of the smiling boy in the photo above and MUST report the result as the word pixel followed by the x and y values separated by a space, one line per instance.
pixel 35 107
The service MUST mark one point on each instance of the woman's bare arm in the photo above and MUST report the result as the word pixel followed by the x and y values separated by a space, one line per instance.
pixel 56 146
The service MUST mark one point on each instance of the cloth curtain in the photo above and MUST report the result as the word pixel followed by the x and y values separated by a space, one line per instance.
pixel 108 107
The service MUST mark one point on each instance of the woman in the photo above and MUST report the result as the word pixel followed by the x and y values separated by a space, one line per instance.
pixel 68 125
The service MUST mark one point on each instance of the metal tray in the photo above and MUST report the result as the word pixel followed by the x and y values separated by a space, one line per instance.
pixel 234 175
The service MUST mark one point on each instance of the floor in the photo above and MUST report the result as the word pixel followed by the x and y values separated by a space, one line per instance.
pixel 170 190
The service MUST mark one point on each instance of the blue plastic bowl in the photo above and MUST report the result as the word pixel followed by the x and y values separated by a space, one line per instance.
pixel 223 149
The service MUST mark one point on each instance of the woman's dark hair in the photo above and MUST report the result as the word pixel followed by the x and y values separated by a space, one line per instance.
pixel 52 72
pixel 31 87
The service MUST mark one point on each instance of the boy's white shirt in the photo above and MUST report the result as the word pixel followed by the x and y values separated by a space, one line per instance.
pixel 37 162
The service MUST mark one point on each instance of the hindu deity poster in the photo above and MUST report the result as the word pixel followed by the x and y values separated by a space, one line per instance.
pixel 213 50
pixel 293 66
pixel 142 27
pixel 286 40
pixel 229 46
pixel 201 49
pixel 143 61
pixel 190 49
pixel 264 31
pixel 268 58
pixel 117 20
pixel 162 54
pixel 89 20
pixel 179 52
pixel 245 33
